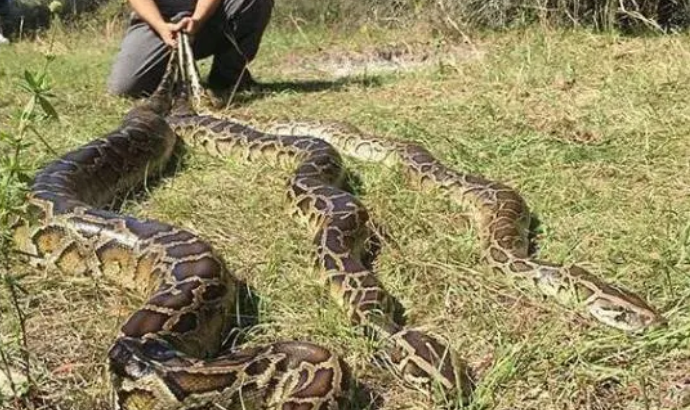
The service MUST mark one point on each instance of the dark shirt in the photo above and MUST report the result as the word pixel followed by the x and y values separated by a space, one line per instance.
pixel 5 7
pixel 170 8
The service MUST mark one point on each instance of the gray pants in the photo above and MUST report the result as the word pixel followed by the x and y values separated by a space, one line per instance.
pixel 232 35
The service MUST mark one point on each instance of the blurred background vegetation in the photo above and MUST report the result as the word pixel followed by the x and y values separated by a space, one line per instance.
pixel 449 16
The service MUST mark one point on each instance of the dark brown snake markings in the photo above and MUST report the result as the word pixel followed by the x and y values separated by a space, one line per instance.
pixel 167 354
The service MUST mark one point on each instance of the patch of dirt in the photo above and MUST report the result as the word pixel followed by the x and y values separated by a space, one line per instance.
pixel 384 58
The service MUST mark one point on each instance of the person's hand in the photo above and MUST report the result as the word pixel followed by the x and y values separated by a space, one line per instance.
pixel 168 33
pixel 190 25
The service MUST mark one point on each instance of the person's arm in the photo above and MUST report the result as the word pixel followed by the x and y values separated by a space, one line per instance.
pixel 148 11
pixel 202 12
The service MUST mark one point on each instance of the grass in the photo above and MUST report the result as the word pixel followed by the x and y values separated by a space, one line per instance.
pixel 592 129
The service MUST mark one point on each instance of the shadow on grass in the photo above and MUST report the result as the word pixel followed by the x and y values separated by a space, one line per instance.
pixel 267 89
pixel 362 397
pixel 535 229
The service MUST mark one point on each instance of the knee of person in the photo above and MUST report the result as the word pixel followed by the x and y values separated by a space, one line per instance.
pixel 123 86
pixel 119 86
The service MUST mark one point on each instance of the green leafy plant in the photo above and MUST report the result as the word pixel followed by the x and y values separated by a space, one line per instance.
pixel 14 177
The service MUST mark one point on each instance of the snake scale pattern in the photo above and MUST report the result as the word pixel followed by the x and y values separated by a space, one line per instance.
pixel 503 219
pixel 169 353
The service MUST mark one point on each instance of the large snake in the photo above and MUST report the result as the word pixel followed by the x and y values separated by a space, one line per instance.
pixel 503 221
pixel 168 356
pixel 339 221
pixel 501 214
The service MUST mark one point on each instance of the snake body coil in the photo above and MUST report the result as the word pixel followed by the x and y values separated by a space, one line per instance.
pixel 167 353
pixel 339 222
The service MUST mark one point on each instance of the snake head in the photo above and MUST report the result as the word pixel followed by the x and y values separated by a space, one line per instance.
pixel 613 305
pixel 137 368
pixel 623 309
pixel 626 315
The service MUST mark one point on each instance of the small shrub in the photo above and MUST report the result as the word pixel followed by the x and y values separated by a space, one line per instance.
pixel 15 146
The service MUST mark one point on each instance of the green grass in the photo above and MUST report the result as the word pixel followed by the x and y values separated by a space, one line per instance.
pixel 591 129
